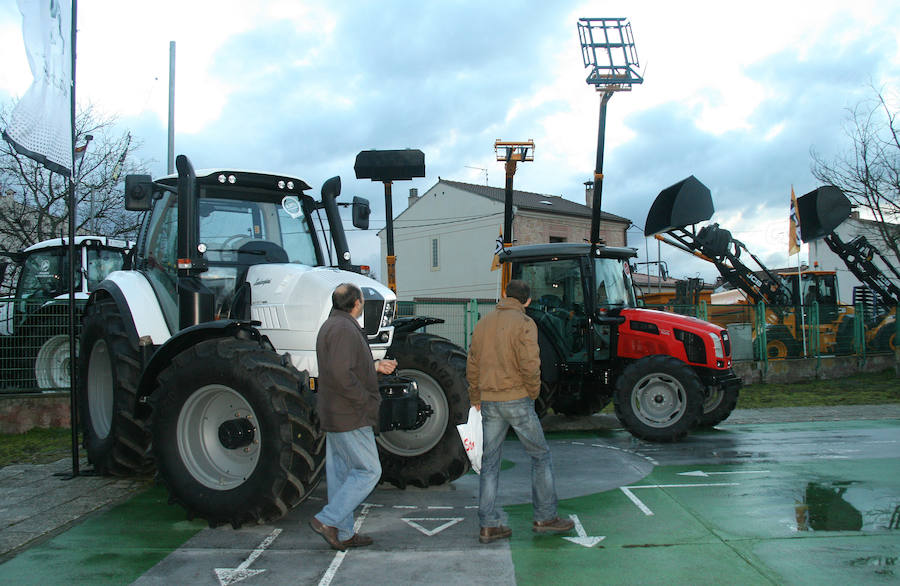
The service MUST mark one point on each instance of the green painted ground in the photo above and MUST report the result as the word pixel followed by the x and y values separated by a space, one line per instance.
pixel 825 522
pixel 115 547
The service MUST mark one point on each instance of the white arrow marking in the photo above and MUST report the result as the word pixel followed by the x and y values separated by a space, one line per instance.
pixel 703 474
pixel 583 538
pixel 450 522
pixel 228 576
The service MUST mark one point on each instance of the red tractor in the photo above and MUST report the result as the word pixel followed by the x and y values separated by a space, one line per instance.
pixel 666 373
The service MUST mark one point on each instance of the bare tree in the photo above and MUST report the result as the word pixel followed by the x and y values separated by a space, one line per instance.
pixel 869 171
pixel 34 201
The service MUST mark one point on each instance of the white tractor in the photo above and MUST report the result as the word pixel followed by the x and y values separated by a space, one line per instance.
pixel 200 360
pixel 34 322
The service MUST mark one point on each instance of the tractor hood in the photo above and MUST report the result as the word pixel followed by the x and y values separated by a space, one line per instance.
pixel 292 301
pixel 647 332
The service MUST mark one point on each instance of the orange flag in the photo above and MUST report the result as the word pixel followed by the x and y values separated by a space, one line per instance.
pixel 793 227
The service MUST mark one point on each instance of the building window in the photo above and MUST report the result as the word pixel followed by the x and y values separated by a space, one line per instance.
pixel 557 239
pixel 435 262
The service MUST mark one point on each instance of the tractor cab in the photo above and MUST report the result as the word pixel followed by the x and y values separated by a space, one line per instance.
pixel 242 219
pixel 575 297
pixel 815 286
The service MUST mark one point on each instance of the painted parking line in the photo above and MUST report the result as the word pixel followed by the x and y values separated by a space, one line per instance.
pixel 646 510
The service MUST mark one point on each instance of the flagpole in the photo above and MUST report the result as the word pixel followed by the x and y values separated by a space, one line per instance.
pixel 73 400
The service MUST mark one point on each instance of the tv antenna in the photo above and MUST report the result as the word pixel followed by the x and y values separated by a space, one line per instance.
pixel 480 169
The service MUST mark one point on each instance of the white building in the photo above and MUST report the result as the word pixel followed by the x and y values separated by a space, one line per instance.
pixel 821 257
pixel 444 241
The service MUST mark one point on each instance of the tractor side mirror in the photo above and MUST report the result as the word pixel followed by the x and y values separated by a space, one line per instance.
pixel 361 211
pixel 138 193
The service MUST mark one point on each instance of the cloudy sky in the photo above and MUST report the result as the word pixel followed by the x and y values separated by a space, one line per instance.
pixel 735 94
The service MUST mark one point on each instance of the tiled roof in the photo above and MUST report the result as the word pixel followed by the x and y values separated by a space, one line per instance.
pixel 540 202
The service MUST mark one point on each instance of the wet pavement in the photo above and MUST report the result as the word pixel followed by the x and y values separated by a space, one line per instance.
pixel 772 496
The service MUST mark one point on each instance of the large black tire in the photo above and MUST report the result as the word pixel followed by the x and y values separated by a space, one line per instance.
pixel 781 344
pixel 433 454
pixel 659 398
pixel 235 439
pixel 886 338
pixel 717 405
pixel 116 442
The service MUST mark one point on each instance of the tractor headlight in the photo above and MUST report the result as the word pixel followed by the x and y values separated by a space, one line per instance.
pixel 388 316
pixel 717 344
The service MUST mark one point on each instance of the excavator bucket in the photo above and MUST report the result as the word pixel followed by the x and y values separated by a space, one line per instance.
pixel 685 203
pixel 821 211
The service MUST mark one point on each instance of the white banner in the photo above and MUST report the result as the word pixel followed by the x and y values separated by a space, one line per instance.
pixel 40 126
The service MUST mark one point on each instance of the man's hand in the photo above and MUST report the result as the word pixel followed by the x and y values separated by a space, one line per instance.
pixel 385 366
pixel 477 406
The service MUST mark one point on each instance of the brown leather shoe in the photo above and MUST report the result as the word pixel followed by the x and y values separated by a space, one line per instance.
pixel 329 534
pixel 554 525
pixel 358 540
pixel 489 534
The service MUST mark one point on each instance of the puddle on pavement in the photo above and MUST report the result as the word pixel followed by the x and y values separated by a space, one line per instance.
pixel 827 507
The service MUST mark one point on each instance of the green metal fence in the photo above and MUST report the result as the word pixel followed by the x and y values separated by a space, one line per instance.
pixel 34 344
pixel 35 355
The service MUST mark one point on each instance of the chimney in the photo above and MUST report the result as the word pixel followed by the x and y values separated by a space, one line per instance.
pixel 589 194
pixel 413 195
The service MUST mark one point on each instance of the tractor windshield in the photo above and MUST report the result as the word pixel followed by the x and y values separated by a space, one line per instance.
pixel 230 227
pixel 44 274
pixel 613 284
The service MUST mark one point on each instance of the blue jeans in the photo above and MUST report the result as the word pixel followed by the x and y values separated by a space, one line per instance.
pixel 352 470
pixel 496 418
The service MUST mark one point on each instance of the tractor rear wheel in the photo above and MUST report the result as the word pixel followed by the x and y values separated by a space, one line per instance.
pixel 659 398
pixel 51 366
pixel 235 438
pixel 116 442
pixel 433 453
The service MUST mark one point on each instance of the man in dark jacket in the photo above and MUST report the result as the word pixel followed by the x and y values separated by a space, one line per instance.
pixel 504 374
pixel 348 405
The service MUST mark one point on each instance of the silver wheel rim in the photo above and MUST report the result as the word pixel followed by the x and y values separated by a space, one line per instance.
pixel 51 367
pixel 415 442
pixel 713 399
pixel 100 394
pixel 658 400
pixel 208 461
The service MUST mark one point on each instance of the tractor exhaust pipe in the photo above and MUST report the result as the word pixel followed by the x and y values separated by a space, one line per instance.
pixel 331 189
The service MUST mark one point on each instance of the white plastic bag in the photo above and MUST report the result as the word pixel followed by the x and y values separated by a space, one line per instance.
pixel 472 438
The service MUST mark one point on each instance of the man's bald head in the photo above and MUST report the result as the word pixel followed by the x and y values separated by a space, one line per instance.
pixel 345 296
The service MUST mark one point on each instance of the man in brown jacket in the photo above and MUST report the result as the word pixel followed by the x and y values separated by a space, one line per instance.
pixel 348 402
pixel 504 374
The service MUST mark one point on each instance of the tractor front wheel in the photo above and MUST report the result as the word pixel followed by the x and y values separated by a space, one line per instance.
pixel 659 398
pixel 433 453
pixel 718 405
pixel 235 439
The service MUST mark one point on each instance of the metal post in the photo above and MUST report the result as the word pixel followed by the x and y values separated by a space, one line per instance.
pixel 390 259
pixel 171 150
pixel 596 206
pixel 73 399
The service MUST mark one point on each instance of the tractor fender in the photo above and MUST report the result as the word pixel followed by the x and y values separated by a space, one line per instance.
pixel 186 338
pixel 137 304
